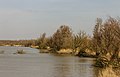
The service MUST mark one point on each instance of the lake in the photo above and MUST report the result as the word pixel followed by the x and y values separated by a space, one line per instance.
pixel 35 64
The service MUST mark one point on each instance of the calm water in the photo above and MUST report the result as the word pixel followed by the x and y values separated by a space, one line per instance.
pixel 34 64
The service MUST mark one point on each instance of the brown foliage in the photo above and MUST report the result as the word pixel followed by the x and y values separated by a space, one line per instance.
pixel 106 38
pixel 81 41
pixel 62 38
pixel 42 41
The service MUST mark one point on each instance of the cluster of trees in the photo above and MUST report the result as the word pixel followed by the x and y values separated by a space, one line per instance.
pixel 64 38
pixel 25 43
pixel 105 41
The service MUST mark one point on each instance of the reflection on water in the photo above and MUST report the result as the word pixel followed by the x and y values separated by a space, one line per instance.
pixel 73 67
pixel 34 64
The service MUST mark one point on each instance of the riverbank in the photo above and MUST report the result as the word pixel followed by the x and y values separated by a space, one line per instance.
pixel 87 53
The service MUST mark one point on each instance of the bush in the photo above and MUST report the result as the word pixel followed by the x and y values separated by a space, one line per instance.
pixel 62 38
pixel 81 42
pixel 106 39
pixel 42 41
pixel 20 52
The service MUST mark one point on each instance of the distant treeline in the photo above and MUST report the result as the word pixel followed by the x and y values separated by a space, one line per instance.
pixel 16 42
pixel 105 42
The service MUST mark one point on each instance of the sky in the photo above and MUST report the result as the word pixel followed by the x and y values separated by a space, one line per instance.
pixel 27 19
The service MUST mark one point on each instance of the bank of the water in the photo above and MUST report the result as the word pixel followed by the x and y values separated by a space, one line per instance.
pixel 70 52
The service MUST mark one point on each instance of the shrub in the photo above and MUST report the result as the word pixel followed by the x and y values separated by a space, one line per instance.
pixel 106 39
pixel 62 38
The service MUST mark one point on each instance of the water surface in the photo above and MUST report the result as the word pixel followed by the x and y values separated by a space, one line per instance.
pixel 34 64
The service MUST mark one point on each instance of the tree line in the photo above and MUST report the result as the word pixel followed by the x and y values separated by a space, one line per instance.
pixel 105 42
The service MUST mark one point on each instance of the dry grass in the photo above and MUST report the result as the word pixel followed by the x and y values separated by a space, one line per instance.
pixel 107 72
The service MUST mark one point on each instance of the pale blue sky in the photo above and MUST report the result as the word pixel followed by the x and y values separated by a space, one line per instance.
pixel 27 19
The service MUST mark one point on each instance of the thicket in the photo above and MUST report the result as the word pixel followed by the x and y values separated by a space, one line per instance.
pixel 81 42
pixel 62 38
pixel 42 41
pixel 106 41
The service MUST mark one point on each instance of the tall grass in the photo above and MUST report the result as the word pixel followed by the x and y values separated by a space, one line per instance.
pixel 107 72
